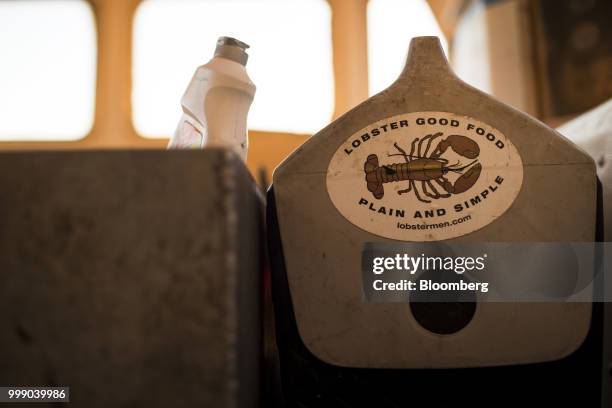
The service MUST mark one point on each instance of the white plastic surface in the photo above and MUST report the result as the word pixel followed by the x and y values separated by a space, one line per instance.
pixel 215 108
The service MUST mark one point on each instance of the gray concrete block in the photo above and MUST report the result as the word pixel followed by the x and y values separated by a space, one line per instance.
pixel 133 277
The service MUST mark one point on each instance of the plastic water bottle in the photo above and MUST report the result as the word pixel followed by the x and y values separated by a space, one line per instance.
pixel 217 101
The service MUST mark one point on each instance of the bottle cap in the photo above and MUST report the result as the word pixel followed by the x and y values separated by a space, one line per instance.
pixel 232 49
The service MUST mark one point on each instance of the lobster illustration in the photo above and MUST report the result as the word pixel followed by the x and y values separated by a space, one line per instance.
pixel 425 167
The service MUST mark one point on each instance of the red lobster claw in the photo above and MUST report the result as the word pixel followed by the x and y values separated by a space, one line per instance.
pixel 462 145
pixel 463 183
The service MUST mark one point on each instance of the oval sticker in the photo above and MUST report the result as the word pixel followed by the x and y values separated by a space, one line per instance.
pixel 424 176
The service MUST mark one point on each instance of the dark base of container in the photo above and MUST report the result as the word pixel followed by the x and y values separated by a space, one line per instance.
pixel 574 381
